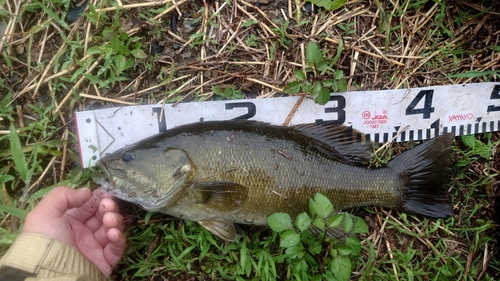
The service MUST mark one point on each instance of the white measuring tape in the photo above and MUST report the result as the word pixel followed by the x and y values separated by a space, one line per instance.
pixel 381 115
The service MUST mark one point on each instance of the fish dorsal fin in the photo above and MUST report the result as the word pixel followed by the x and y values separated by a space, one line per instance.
pixel 344 143
pixel 222 228
pixel 221 196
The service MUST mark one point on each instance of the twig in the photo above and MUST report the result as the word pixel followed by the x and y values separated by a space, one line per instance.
pixel 106 99
pixel 237 162
pixel 132 6
pixel 294 109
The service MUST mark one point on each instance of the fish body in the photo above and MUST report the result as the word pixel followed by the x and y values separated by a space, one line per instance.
pixel 223 172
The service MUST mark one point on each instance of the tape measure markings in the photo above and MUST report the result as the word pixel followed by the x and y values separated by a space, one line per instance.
pixel 379 115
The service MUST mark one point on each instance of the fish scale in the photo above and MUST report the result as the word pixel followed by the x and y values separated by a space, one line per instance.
pixel 278 183
pixel 224 172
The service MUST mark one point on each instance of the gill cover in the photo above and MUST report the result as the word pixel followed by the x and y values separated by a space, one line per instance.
pixel 145 177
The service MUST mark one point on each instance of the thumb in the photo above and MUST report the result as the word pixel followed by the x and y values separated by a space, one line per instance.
pixel 58 201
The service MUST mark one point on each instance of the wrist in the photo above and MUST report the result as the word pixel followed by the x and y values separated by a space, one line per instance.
pixel 39 255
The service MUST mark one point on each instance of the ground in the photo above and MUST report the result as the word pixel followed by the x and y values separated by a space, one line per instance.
pixel 54 63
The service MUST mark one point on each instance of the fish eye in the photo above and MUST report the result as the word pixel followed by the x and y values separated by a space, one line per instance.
pixel 128 156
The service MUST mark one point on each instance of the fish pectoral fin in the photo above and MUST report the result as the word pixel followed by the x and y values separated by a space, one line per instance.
pixel 222 228
pixel 221 196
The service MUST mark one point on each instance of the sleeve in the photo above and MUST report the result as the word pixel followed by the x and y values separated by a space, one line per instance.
pixel 37 257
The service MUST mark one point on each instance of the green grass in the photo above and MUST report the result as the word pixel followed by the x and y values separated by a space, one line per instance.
pixel 455 42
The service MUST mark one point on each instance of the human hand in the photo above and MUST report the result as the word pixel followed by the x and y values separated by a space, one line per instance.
pixel 88 221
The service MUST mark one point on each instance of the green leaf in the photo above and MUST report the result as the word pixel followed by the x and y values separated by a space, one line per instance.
pixel 300 267
pixel 306 87
pixel 347 223
pixel 318 277
pixel 6 178
pixel 338 74
pixel 336 4
pixel 13 211
pixel 343 250
pixel 359 226
pixel 18 154
pixel 328 4
pixel 92 78
pixel 296 251
pixel 243 254
pixel 130 63
pixel 78 72
pixel 323 97
pixel 474 73
pixel 341 267
pixel 319 223
pixel 315 248
pixel 342 85
pixel 303 221
pixel 321 206
pixel 339 52
pixel 329 82
pixel 354 244
pixel 334 220
pixel 138 53
pixel 316 89
pixel 117 45
pixel 292 87
pixel 148 217
pixel 289 238
pixel 120 63
pixel 53 15
pixel 299 75
pixel 323 66
pixel 249 23
pixel 313 53
pixel 469 140
pixel 280 222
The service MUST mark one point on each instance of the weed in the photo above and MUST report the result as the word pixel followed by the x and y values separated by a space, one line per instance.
pixel 302 247
pixel 229 93
pixel 328 4
pixel 282 30
pixel 319 78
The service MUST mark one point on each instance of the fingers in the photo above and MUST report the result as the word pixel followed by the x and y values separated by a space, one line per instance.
pixel 57 202
pixel 83 213
pixel 107 205
pixel 92 212
pixel 113 252
pixel 113 220
pixel 110 221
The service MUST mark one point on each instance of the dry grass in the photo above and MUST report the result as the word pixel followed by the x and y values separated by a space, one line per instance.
pixel 256 49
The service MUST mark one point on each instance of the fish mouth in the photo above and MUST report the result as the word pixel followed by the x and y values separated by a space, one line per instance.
pixel 102 177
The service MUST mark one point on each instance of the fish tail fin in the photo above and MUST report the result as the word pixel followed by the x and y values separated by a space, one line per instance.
pixel 423 172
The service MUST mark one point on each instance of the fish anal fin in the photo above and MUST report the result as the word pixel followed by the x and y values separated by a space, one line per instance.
pixel 221 228
pixel 221 196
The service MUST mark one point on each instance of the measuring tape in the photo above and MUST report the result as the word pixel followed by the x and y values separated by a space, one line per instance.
pixel 414 114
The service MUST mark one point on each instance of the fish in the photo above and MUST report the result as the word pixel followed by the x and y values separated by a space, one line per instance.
pixel 222 173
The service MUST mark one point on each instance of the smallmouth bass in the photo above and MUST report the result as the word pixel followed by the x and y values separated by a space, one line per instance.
pixel 223 172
